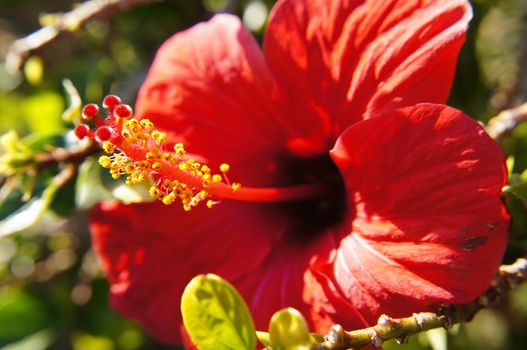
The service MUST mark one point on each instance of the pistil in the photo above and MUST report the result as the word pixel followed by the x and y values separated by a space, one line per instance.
pixel 138 151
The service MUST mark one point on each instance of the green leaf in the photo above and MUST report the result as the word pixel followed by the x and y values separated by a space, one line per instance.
pixel 265 339
pixel 38 341
pixel 89 187
pixel 73 112
pixel 288 330
pixel 29 213
pixel 42 112
pixel 517 190
pixel 215 315
pixel 438 338
pixel 21 314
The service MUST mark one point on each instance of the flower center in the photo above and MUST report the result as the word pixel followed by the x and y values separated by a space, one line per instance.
pixel 312 216
pixel 140 152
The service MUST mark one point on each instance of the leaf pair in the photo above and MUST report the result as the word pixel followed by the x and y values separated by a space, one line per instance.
pixel 217 318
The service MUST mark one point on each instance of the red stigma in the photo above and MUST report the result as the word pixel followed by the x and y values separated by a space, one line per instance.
pixel 81 131
pixel 90 111
pixel 111 101
pixel 103 133
pixel 123 111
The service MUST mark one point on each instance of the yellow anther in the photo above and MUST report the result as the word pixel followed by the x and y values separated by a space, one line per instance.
pixel 179 149
pixel 236 186
pixel 159 136
pixel 153 191
pixel 169 199
pixel 108 147
pixel 166 156
pixel 146 158
pixel 105 162
pixel 225 167
pixel 132 123
pixel 147 124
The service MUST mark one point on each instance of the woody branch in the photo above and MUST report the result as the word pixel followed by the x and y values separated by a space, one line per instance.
pixel 506 121
pixel 62 24
pixel 400 329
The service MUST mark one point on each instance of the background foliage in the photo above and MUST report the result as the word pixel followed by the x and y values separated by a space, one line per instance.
pixel 52 294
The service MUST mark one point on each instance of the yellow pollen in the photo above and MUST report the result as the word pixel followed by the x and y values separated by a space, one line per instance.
pixel 141 155
pixel 108 147
pixel 159 136
pixel 105 162
pixel 179 149
pixel 236 186
pixel 147 124
pixel 225 167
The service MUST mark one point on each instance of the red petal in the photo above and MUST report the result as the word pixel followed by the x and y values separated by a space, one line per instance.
pixel 278 282
pixel 339 60
pixel 210 88
pixel 150 252
pixel 424 185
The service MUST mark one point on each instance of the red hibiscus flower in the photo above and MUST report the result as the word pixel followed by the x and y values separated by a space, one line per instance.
pixel 361 194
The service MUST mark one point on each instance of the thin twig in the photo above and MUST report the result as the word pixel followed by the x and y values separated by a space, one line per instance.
pixel 62 156
pixel 64 23
pixel 401 328
pixel 505 122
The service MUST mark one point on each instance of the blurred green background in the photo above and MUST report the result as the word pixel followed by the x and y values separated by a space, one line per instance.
pixel 52 293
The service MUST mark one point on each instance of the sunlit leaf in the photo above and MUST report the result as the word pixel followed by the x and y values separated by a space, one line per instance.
pixel 42 112
pixel 438 338
pixel 89 342
pixel 215 5
pixel 132 194
pixel 288 330
pixel 264 338
pixel 510 165
pixel 89 187
pixel 73 112
pixel 215 315
pixel 27 215
pixel 38 341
